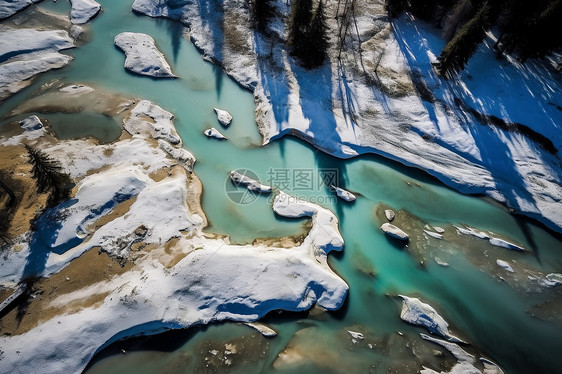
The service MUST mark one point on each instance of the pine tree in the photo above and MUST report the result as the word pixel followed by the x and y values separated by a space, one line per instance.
pixel 395 7
pixel 262 12
pixel 301 16
pixel 458 51
pixel 317 39
pixel 49 175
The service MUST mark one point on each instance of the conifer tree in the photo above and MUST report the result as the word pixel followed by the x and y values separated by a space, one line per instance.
pixel 301 16
pixel 49 175
pixel 262 12
pixel 317 39
pixel 458 51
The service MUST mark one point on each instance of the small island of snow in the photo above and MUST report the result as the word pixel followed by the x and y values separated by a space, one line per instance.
pixel 142 56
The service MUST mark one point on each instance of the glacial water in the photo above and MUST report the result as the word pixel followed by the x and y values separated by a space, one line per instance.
pixel 494 316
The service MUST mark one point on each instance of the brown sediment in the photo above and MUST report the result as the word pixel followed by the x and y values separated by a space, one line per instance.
pixel 118 211
pixel 90 268
pixel 15 173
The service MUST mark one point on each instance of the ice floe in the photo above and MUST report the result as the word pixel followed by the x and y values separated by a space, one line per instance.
pixel 223 117
pixel 83 10
pixel 214 133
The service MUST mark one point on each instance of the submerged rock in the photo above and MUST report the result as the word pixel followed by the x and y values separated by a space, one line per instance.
pixel 83 11
pixel 394 232
pixel 343 194
pixel 142 56
pixel 389 213
pixel 223 116
pixel 214 133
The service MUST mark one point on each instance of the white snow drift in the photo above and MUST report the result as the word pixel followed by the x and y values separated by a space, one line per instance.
pixel 142 56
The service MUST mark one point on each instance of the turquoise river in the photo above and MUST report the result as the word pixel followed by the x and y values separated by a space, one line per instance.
pixel 515 323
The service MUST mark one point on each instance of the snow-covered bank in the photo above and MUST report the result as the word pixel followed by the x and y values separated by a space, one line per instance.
pixel 10 7
pixel 135 201
pixel 388 101
pixel 83 10
pixel 142 56
pixel 24 53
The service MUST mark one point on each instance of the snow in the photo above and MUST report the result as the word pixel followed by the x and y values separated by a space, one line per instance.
pixel 142 56
pixel 472 231
pixel 10 7
pixel 433 234
pixel 389 214
pixel 33 129
pixel 394 232
pixel 218 281
pixel 83 10
pixel 223 117
pixel 251 184
pixel 355 336
pixel 158 126
pixel 211 280
pixel 343 194
pixel 505 244
pixel 504 265
pixel 185 158
pixel 551 280
pixel 214 133
pixel 31 123
pixel 460 354
pixel 440 262
pixel 25 53
pixel 420 314
pixel 265 330
pixel 341 112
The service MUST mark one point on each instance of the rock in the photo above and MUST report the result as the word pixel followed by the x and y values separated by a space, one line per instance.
pixel 490 367
pixel 505 244
pixel 83 10
pixel 473 232
pixel 266 331
pixel 433 234
pixel 148 120
pixel 389 213
pixel 249 183
pixel 504 265
pixel 214 133
pixel 551 280
pixel 223 116
pixel 394 232
pixel 343 194
pixel 142 56
pixel 185 157
pixel 355 336
pixel 76 32
pixel 420 314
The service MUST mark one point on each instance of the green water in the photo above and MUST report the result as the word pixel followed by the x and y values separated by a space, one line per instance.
pixel 488 313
